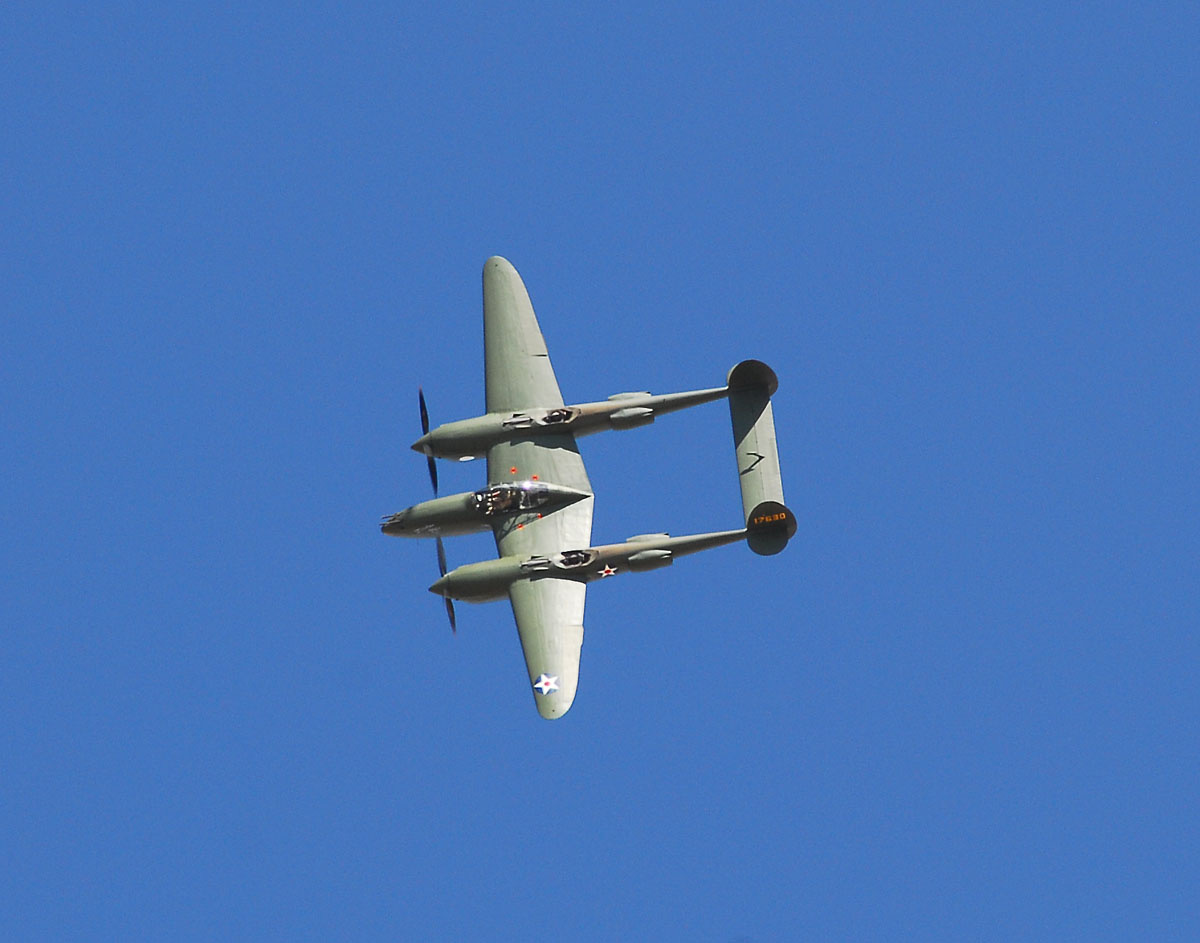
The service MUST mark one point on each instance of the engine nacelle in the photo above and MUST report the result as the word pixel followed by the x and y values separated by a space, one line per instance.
pixel 639 538
pixel 481 582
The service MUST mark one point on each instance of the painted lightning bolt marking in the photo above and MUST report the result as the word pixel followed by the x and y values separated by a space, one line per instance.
pixel 758 457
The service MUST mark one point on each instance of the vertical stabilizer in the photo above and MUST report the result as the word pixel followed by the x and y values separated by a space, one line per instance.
pixel 751 384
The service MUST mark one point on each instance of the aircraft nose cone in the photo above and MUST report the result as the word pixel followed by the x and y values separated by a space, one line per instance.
pixel 439 588
pixel 424 445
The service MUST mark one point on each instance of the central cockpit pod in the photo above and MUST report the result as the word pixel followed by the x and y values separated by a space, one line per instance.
pixel 511 498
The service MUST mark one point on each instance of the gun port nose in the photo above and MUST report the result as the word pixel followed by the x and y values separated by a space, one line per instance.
pixel 394 523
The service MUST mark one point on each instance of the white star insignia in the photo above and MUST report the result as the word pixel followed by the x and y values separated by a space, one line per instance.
pixel 545 684
pixel 607 571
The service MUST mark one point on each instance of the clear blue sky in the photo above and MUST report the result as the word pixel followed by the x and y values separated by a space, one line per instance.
pixel 961 705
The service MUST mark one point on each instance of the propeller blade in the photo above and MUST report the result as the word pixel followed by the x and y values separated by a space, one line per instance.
pixel 424 411
pixel 425 431
pixel 441 550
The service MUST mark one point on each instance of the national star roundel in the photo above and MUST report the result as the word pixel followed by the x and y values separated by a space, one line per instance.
pixel 546 683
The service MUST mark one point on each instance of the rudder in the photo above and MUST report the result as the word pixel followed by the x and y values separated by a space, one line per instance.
pixel 769 528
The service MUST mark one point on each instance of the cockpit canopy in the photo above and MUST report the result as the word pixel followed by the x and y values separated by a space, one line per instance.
pixel 510 498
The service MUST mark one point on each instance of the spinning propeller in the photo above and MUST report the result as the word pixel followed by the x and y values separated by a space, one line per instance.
pixel 442 568
pixel 441 550
pixel 425 431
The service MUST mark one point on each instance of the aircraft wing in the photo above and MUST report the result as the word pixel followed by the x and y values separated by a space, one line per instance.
pixel 519 374
pixel 548 612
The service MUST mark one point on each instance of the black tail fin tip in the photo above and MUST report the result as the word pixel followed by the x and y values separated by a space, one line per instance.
pixel 753 375
pixel 769 528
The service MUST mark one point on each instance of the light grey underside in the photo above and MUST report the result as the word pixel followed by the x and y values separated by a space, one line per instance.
pixel 519 374
pixel 548 612
pixel 757 453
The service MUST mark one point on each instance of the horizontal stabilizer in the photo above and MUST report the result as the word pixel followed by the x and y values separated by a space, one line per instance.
pixel 751 384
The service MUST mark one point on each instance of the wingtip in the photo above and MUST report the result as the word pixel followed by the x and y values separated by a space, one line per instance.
pixel 498 262
pixel 553 711
pixel 554 703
